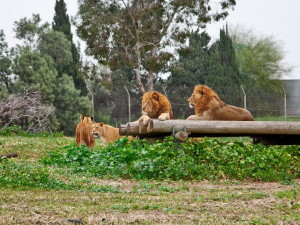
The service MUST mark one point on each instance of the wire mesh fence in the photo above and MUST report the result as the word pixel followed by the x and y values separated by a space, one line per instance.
pixel 126 104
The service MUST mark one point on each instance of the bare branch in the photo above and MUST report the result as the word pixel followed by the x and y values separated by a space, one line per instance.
pixel 27 111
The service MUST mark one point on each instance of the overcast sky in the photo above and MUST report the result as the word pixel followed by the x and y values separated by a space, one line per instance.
pixel 279 18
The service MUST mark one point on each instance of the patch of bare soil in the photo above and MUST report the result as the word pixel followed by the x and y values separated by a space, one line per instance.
pixel 157 203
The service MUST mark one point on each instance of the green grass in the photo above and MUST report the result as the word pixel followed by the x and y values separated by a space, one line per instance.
pixel 213 182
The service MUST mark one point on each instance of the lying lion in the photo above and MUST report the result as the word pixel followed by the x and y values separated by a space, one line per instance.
pixel 208 106
pixel 84 133
pixel 107 133
pixel 155 105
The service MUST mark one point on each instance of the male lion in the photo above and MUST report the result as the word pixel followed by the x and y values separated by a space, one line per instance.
pixel 208 106
pixel 107 133
pixel 84 133
pixel 155 105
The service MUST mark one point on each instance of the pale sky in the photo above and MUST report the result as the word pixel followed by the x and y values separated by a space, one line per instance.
pixel 279 18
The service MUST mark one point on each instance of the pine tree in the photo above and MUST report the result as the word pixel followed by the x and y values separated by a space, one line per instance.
pixel 61 23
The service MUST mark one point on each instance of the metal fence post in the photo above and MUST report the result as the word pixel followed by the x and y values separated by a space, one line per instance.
pixel 245 97
pixel 87 86
pixel 284 96
pixel 129 109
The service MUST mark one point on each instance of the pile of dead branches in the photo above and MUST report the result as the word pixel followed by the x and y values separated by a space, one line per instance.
pixel 27 111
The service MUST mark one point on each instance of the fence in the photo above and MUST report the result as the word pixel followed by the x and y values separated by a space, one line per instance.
pixel 127 105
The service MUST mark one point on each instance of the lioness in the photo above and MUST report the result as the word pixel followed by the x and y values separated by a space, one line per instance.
pixel 155 105
pixel 84 134
pixel 208 106
pixel 107 133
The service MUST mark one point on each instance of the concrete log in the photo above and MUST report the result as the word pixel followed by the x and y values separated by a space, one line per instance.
pixel 211 128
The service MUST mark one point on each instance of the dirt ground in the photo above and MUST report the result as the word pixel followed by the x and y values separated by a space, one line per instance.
pixel 223 202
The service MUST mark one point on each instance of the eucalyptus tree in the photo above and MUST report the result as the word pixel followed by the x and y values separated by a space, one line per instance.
pixel 143 33
pixel 29 29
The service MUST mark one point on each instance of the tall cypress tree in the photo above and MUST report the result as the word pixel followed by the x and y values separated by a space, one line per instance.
pixel 224 76
pixel 61 23
pixel 192 69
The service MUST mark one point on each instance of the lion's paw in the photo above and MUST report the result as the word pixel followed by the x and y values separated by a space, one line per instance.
pixel 164 116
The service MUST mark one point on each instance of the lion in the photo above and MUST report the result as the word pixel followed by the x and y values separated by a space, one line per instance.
pixel 84 134
pixel 208 106
pixel 107 133
pixel 155 105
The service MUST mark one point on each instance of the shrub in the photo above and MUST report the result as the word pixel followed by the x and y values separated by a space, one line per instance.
pixel 209 159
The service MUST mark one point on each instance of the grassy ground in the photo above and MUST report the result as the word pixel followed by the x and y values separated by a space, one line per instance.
pixel 121 201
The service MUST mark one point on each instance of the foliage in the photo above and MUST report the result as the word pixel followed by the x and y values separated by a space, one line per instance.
pixel 260 61
pixel 223 75
pixel 5 63
pixel 209 159
pixel 139 32
pixel 36 73
pixel 191 69
pixel 13 130
pixel 69 104
pixel 61 23
pixel 56 45
pixel 259 57
pixel 29 30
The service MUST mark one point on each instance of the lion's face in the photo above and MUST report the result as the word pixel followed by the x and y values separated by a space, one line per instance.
pixel 150 104
pixel 196 96
pixel 98 129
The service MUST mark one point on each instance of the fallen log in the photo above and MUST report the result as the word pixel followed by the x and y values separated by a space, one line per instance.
pixel 267 132
pixel 11 155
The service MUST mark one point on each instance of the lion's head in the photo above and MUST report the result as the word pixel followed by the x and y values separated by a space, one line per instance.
pixel 86 119
pixel 202 95
pixel 98 129
pixel 154 104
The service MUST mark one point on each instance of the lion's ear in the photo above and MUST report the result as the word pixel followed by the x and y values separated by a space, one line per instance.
pixel 92 118
pixel 81 117
pixel 155 96
pixel 101 124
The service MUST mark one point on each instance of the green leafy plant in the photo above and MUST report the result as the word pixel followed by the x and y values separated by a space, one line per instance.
pixel 210 159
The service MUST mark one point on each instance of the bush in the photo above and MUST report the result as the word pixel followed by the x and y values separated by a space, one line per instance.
pixel 211 159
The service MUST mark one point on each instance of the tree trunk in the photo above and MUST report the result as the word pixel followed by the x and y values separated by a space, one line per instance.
pixel 138 69
pixel 150 79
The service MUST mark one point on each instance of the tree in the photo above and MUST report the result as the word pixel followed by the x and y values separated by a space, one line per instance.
pixel 36 72
pixel 260 60
pixel 69 104
pixel 30 29
pixel 61 23
pixel 5 63
pixel 141 33
pixel 224 76
pixel 56 45
pixel 191 69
